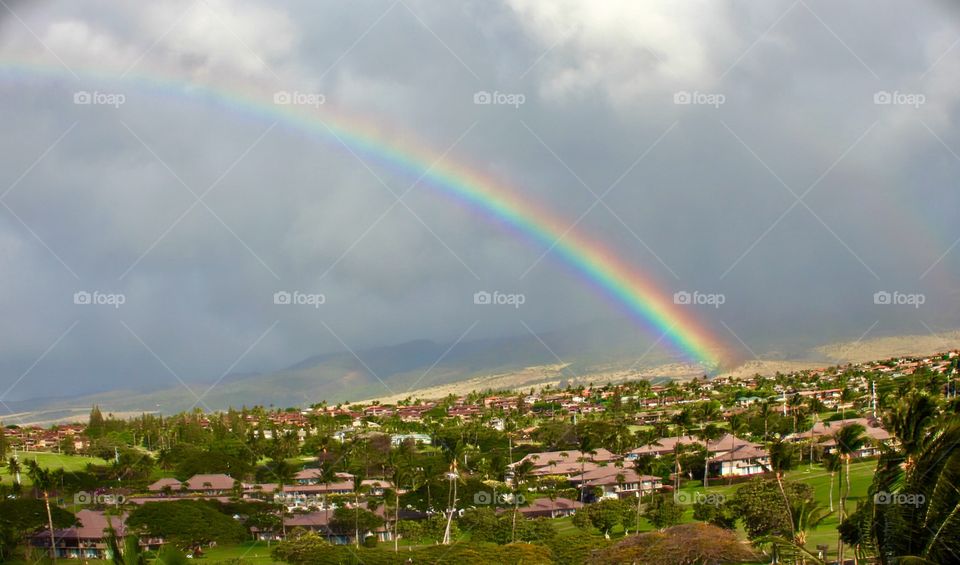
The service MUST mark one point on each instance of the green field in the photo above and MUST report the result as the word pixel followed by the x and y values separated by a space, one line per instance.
pixel 69 463
pixel 861 474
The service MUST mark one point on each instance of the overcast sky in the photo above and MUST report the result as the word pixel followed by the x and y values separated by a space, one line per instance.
pixel 815 166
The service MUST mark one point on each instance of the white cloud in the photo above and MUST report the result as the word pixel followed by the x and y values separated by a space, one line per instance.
pixel 623 47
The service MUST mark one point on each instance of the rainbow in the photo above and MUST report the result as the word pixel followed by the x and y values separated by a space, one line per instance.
pixel 598 265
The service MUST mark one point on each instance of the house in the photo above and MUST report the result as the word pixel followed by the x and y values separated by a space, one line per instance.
pixel 165 486
pixel 376 487
pixel 663 446
pixel 617 482
pixel 210 484
pixel 88 539
pixel 823 433
pixel 320 522
pixel 572 456
pixel 417 439
pixel 546 508
pixel 733 456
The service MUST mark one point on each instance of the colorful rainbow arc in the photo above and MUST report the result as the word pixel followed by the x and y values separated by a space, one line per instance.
pixel 594 262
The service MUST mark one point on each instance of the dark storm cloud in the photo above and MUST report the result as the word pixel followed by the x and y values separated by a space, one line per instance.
pixel 700 212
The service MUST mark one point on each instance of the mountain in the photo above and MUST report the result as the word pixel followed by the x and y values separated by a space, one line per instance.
pixel 597 352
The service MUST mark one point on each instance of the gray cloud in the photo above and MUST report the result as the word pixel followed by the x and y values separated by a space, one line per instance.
pixel 599 82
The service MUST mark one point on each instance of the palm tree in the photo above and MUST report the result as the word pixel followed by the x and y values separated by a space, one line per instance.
pixel 849 440
pixel 358 477
pixel 682 422
pixel 738 424
pixel 43 482
pixel 909 421
pixel 832 463
pixel 453 476
pixel 521 474
pixel 923 526
pixel 13 465
pixel 399 473
pixel 805 515
pixel 642 465
pixel 586 445
pixel 284 474
pixel 327 475
pixel 707 434
pixel 765 414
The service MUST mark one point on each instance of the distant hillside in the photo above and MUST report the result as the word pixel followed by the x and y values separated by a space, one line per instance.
pixel 395 369
pixel 592 353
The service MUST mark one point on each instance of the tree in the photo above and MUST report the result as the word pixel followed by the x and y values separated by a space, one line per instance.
pixel 13 467
pixel 783 455
pixel 283 473
pixel 643 464
pixel 603 515
pixel 761 507
pixel 131 552
pixel 96 425
pixel 20 517
pixel 663 512
pixel 832 463
pixel 849 440
pixel 186 523
pixel 356 518
pixel 805 515
pixel 913 511
pixel 707 434
pixel 4 444
pixel 301 548
pixel 43 482
pixel 695 543
pixel 521 474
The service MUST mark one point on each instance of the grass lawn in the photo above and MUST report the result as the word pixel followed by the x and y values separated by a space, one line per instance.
pixel 257 552
pixel 861 475
pixel 51 460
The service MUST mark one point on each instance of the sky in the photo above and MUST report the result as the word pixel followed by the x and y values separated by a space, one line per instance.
pixel 789 160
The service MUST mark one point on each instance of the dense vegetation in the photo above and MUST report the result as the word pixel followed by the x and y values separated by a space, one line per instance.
pixel 909 510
